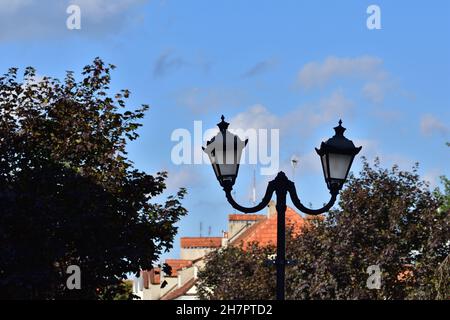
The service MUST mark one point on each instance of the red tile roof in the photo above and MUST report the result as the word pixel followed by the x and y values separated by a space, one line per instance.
pixel 178 264
pixel 201 242
pixel 264 232
pixel 151 277
pixel 246 217
pixel 179 291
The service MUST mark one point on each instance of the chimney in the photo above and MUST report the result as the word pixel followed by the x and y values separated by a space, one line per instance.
pixel 271 209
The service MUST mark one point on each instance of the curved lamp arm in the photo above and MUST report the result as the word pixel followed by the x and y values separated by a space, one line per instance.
pixel 264 202
pixel 296 201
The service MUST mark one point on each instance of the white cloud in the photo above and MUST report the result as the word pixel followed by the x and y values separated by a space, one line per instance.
pixel 368 69
pixel 37 19
pixel 299 123
pixel 317 74
pixel 430 125
pixel 330 108
pixel 256 117
pixel 306 117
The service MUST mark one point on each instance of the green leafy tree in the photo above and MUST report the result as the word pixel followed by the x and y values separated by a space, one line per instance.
pixel 388 218
pixel 122 291
pixel 232 273
pixel 442 274
pixel 446 194
pixel 69 194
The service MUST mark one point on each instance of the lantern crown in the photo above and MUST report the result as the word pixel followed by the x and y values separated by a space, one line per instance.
pixel 336 155
pixel 223 125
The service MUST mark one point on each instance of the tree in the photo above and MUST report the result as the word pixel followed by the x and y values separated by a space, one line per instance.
pixel 123 291
pixel 69 194
pixel 445 196
pixel 232 273
pixel 387 218
pixel 442 274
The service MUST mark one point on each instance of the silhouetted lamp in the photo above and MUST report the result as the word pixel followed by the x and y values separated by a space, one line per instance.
pixel 225 151
pixel 337 155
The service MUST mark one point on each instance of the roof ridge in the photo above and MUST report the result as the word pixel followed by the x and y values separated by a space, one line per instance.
pixel 173 294
pixel 202 237
pixel 248 231
pixel 266 229
pixel 246 217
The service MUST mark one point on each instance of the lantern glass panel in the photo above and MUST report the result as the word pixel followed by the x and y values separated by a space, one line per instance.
pixel 339 165
pixel 324 165
pixel 228 169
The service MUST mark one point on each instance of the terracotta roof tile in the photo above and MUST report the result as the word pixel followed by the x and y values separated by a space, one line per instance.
pixel 151 277
pixel 178 264
pixel 179 291
pixel 264 232
pixel 246 217
pixel 201 242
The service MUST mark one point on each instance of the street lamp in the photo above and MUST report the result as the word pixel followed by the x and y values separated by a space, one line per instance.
pixel 336 155
pixel 224 151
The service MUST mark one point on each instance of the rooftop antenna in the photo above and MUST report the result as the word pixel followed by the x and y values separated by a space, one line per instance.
pixel 209 231
pixel 201 227
pixel 294 163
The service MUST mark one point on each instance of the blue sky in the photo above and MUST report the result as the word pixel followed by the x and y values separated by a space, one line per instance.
pixel 298 66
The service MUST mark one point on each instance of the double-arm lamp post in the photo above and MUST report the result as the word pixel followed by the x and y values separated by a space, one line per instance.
pixel 336 155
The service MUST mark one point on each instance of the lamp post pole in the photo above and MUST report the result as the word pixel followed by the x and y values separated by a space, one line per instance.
pixel 336 154
pixel 281 186
pixel 280 261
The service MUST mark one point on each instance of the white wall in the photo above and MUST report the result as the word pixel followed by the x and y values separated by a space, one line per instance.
pixel 235 228
pixel 194 253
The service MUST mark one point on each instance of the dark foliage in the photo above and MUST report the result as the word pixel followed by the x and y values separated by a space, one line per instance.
pixel 69 194
pixel 388 218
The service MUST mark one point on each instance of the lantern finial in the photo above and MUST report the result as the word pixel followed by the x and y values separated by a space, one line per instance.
pixel 339 129
pixel 223 125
